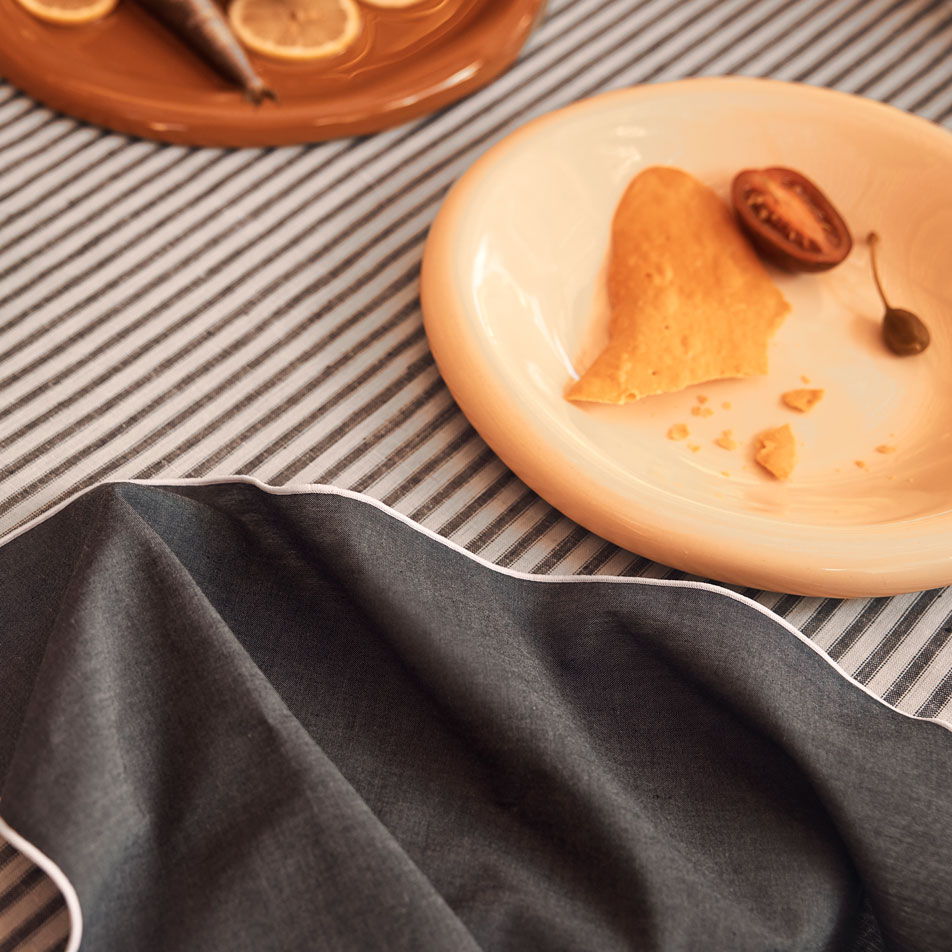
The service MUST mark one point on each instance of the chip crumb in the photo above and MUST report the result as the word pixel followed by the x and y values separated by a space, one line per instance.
pixel 678 432
pixel 861 463
pixel 885 448
pixel 804 378
pixel 776 451
pixel 725 473
pixel 702 411
pixel 701 398
pixel 726 404
pixel 802 400
pixel 726 440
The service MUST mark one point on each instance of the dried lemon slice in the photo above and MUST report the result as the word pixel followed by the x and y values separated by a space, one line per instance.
pixel 68 11
pixel 295 29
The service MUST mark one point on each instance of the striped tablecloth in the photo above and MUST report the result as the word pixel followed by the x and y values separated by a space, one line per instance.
pixel 169 311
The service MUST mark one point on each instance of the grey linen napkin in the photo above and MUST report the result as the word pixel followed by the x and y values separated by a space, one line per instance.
pixel 247 721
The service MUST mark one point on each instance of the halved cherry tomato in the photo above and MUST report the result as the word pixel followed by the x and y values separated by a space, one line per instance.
pixel 789 219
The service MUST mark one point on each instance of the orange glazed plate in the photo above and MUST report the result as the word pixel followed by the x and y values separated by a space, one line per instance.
pixel 128 73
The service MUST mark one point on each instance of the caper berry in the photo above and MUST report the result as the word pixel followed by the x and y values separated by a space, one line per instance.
pixel 903 332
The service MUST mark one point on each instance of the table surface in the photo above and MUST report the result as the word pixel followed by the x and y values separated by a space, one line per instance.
pixel 181 312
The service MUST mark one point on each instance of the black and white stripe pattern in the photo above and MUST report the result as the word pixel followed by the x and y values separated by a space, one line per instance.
pixel 167 311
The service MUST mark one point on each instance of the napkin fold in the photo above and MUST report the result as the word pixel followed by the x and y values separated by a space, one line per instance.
pixel 250 720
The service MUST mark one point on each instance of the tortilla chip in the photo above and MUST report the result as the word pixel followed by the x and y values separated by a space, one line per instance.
pixel 776 451
pixel 803 399
pixel 690 301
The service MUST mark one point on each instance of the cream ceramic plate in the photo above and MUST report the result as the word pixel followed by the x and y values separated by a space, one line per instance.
pixel 513 309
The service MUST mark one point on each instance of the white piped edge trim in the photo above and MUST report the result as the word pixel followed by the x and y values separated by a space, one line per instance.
pixel 39 858
pixel 301 489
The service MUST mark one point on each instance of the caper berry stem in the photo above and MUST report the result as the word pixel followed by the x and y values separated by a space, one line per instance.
pixel 872 239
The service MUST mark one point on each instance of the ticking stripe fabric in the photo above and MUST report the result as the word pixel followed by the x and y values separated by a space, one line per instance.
pixel 170 312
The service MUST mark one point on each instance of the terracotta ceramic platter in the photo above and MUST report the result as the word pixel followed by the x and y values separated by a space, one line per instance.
pixel 129 74
pixel 514 308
